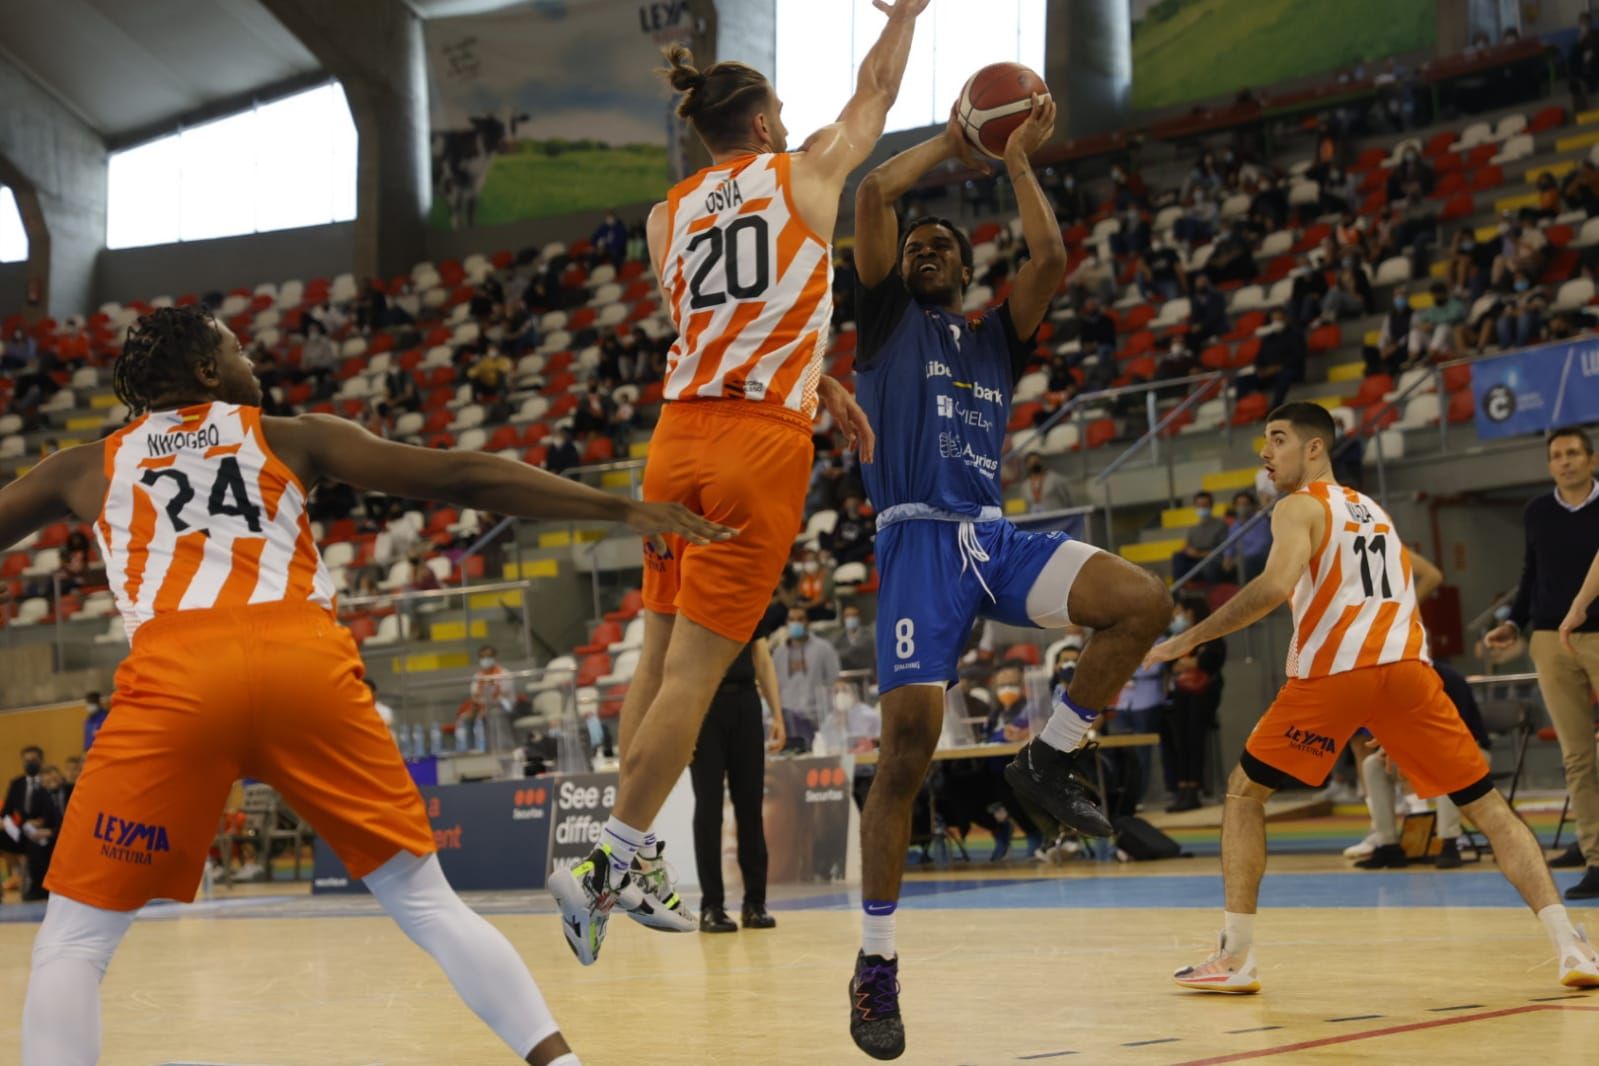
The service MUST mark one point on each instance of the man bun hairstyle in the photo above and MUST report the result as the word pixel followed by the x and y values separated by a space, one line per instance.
pixel 160 354
pixel 721 100
pixel 1309 420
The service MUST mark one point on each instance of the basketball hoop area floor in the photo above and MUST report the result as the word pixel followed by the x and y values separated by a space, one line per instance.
pixel 1068 965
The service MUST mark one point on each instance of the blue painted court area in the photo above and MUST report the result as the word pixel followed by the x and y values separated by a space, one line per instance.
pixel 1468 889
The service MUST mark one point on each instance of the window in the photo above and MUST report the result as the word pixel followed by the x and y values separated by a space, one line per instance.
pixel 13 240
pixel 278 165
pixel 815 75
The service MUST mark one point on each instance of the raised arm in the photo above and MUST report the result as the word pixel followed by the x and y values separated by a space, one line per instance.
pixel 1039 278
pixel 1295 531
pixel 833 151
pixel 876 223
pixel 67 483
pixel 334 449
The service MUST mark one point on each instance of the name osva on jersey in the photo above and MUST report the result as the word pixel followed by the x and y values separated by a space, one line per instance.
pixel 160 444
pixel 725 195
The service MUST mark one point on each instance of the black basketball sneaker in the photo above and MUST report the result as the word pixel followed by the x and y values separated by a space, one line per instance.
pixel 874 1021
pixel 1053 780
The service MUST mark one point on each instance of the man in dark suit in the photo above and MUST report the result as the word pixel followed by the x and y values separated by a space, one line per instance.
pixel 19 794
pixel 45 811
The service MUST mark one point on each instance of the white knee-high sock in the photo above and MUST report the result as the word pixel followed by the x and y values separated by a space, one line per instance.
pixel 61 1018
pixel 486 971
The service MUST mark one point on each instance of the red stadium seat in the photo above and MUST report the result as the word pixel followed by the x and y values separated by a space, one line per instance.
pixel 1489 177
pixel 1246 352
pixel 1480 155
pixel 1250 409
pixel 592 668
pixel 1100 432
pixel 1135 318
pixel 361 627
pixel 1447 163
pixel 1457 377
pixel 1022 415
pixel 1216 357
pixel 1137 344
pixel 1439 143
pixel 632 603
pixel 1459 205
pixel 600 449
pixel 1462 406
pixel 504 437
pixel 534 432
pixel 1372 390
pixel 1140 369
pixel 535 455
pixel 1547 119
pixel 1449 184
pixel 1023 653
pixel 1324 338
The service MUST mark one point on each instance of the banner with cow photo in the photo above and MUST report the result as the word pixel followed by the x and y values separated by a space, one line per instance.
pixel 551 108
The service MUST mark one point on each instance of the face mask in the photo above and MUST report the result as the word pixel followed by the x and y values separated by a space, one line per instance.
pixel 851 624
pixel 811 566
pixel 1349 261
pixel 30 767
pixel 1180 623
pixel 1467 246
pixel 1523 285
pixel 485 661
pixel 1008 694
pixel 797 630
pixel 843 701
pixel 1202 512
pixel 1400 303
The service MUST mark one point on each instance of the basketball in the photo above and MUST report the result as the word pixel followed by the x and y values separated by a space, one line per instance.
pixel 995 101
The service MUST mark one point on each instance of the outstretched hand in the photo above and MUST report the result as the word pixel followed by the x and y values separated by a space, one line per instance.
pixel 903 8
pixel 1168 651
pixel 653 519
pixel 849 417
pixel 1034 133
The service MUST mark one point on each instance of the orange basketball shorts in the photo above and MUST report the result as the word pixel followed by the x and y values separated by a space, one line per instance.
pixel 743 468
pixel 1404 706
pixel 271 692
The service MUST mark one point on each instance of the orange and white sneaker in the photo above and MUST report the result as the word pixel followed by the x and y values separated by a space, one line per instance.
pixel 1223 972
pixel 1579 964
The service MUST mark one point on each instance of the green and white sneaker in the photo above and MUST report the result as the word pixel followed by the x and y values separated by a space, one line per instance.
pixel 586 893
pixel 661 908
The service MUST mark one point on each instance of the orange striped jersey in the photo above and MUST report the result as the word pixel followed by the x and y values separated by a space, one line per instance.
pixel 1355 605
pixel 750 287
pixel 199 513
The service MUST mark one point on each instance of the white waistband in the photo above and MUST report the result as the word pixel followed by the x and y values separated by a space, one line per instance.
pixel 901 512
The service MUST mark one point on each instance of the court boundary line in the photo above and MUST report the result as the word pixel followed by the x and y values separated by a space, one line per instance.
pixel 1409 1027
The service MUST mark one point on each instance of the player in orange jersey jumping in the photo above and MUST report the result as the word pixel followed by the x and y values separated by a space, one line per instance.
pixel 743 253
pixel 1358 658
pixel 238 668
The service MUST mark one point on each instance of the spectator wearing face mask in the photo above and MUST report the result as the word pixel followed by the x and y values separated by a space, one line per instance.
pixel 856 644
pixel 1269 207
pixel 1392 349
pixel 1580 188
pixel 1470 264
pixel 19 799
pixel 491 693
pixel 1196 687
pixel 562 454
pixel 852 725
pixel 1207 312
pixel 1072 203
pixel 1439 330
pixel 1043 489
pixel 1064 667
pixel 1204 537
pixel 815 591
pixel 1521 248
pixel 1280 364
pixel 1520 322
pixel 1012 717
pixel 1160 272
pixel 806 670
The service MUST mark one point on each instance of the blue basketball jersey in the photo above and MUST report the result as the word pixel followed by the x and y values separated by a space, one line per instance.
pixel 937 387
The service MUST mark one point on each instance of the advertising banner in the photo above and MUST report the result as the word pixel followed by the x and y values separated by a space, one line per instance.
pixel 1535 390
pixel 490 835
pixel 581 804
pixel 806 814
pixel 551 108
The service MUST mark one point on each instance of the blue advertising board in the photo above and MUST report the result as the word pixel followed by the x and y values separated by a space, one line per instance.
pixel 1535 390
pixel 490 835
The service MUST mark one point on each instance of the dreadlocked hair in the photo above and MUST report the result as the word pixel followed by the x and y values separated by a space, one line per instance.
pixel 160 353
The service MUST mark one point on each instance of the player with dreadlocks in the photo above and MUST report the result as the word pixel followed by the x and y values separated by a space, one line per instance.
pixel 238 668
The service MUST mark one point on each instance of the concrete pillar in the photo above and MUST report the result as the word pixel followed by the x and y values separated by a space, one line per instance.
pixel 374 49
pixel 1089 59
pixel 56 167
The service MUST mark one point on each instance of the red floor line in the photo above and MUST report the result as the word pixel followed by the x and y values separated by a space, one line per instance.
pixel 1370 1033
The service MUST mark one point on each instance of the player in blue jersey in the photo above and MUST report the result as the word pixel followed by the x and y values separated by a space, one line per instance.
pixel 936 384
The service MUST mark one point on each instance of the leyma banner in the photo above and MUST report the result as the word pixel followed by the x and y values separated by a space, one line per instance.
pixel 551 108
pixel 1535 390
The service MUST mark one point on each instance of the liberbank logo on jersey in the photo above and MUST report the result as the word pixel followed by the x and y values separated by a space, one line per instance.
pixel 129 841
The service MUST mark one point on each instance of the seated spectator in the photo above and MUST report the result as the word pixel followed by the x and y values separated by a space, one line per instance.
pixel 1094 279
pixel 807 667
pixel 1204 537
pixel 1195 699
pixel 319 358
pixel 490 375
pixel 1247 557
pixel 1329 149
pixel 1344 300
pixel 1013 716
pixel 76 562
pixel 610 240
pixel 815 594
pixel 1197 224
pixel 1207 311
pixel 562 455
pixel 1580 188
pixel 856 644
pixel 1548 197
pixel 593 414
pixel 1280 364
pixel 399 389
pixel 1392 350
pixel 1522 249
pixel 1176 361
pixel 1270 204
pixel 379 419
pixel 1520 322
pixel 1412 177
pixel 1127 189
pixel 1309 289
pixel 854 538
pixel 1339 192
pixel 851 725
pixel 1160 272
pixel 1072 204
pixel 1233 258
pixel 1439 329
pixel 1204 180
pixel 1470 264
pixel 1043 489
pixel 20 350
pixel 1096 330
pixel 492 693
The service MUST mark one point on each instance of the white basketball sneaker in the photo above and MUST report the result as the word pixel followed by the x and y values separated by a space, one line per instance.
pixel 1579 963
pixel 586 893
pixel 1364 848
pixel 1222 972
pixel 661 908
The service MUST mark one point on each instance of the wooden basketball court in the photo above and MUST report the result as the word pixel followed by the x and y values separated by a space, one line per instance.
pixel 1005 967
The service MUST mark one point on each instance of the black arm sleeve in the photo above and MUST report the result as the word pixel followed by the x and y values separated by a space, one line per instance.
pixel 878 313
pixel 1021 350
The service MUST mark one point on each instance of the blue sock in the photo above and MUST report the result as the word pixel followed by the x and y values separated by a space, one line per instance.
pixel 877 927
